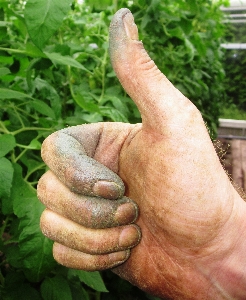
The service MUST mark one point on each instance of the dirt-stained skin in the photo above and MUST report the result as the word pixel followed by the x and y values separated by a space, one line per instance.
pixel 166 168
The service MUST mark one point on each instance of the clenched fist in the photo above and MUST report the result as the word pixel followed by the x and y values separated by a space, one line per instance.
pixel 151 201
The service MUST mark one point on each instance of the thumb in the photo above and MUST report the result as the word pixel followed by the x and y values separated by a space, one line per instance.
pixel 161 105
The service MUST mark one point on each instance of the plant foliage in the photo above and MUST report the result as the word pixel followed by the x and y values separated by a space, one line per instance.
pixel 235 68
pixel 55 72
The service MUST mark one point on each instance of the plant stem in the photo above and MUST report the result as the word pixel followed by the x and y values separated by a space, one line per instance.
pixel 13 50
pixel 5 223
pixel 19 156
pixel 34 170
pixel 4 129
pixel 30 129
pixel 105 57
pixel 18 116
pixel 18 51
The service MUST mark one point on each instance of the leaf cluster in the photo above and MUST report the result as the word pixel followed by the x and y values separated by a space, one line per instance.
pixel 55 72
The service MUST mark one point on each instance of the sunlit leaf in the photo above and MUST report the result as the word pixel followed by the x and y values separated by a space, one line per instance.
pixel 59 59
pixel 11 94
pixel 44 17
pixel 4 71
pixel 7 143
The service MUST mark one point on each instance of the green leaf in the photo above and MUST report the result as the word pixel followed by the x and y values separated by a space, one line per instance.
pixel 145 20
pixel 33 51
pixel 191 50
pixel 56 288
pixel 15 287
pixel 50 93
pixel 86 103
pixel 43 18
pixel 193 6
pixel 6 179
pixel 99 5
pixel 92 279
pixel 119 104
pixel 113 114
pixel 4 71
pixel 34 145
pixel 177 32
pixel 35 248
pixel 7 143
pixel 78 291
pixel 59 59
pixel 42 108
pixel 11 94
pixel 4 24
pixel 6 59
pixel 12 253
pixel 22 292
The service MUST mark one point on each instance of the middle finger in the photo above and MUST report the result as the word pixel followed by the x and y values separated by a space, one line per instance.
pixel 87 240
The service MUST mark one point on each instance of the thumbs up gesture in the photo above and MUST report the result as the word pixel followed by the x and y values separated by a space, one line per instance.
pixel 151 200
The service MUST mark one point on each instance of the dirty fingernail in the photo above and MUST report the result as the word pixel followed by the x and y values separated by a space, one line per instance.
pixel 130 236
pixel 119 256
pixel 130 26
pixel 107 190
pixel 126 213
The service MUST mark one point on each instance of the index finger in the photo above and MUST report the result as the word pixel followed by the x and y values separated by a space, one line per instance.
pixel 68 159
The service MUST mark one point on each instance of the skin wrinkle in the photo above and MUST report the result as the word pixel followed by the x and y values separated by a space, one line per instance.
pixel 95 138
pixel 98 142
pixel 130 135
pixel 171 287
pixel 115 168
pixel 214 283
pixel 156 268
pixel 147 65
pixel 184 272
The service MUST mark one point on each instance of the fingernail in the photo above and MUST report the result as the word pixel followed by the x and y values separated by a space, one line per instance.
pixel 130 236
pixel 107 190
pixel 126 213
pixel 120 256
pixel 130 26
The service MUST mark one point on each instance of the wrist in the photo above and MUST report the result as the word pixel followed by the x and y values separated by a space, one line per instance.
pixel 227 269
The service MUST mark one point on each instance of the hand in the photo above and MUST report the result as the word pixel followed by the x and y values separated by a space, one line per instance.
pixel 190 216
